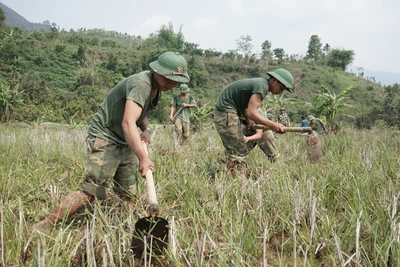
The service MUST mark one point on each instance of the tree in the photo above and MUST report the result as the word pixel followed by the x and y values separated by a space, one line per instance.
pixel 277 101
pixel 166 37
pixel 266 52
pixel 338 58
pixel 326 49
pixel 244 45
pixel 391 105
pixel 9 100
pixel 2 16
pixel 330 105
pixel 279 54
pixel 81 54
pixel 314 48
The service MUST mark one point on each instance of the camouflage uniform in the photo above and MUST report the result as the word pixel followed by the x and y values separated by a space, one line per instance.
pixel 111 163
pixel 182 120
pixel 109 166
pixel 318 127
pixel 267 141
pixel 283 119
pixel 229 108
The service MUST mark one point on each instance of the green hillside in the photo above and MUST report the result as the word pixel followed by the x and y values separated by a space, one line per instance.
pixel 61 76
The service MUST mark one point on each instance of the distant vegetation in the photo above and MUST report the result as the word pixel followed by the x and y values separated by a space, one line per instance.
pixel 62 76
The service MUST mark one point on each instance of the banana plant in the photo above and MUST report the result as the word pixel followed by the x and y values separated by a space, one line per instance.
pixel 329 105
pixel 9 100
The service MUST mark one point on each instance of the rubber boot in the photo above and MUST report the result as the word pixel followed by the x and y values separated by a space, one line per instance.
pixel 70 205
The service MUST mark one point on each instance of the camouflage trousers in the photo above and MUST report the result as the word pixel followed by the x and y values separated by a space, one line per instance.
pixel 182 128
pixel 109 166
pixel 228 126
pixel 266 143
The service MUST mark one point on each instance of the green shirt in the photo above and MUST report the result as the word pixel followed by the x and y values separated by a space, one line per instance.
pixel 107 121
pixel 235 97
pixel 318 128
pixel 184 114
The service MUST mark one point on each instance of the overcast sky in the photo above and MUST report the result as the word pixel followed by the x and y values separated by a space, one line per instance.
pixel 369 27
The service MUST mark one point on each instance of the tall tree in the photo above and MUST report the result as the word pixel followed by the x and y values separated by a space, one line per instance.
pixel 314 48
pixel 279 53
pixel 244 44
pixel 2 16
pixel 391 105
pixel 338 58
pixel 266 52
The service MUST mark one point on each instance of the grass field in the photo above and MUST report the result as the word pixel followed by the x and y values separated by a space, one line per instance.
pixel 342 211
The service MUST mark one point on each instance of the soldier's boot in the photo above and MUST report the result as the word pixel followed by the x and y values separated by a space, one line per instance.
pixel 234 166
pixel 242 168
pixel 231 166
pixel 70 205
pixel 184 139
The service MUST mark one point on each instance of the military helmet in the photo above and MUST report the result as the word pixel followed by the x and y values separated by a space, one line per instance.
pixel 282 108
pixel 284 76
pixel 183 88
pixel 172 66
pixel 310 118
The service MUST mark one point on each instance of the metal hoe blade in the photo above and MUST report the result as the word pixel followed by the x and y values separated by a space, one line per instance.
pixel 152 233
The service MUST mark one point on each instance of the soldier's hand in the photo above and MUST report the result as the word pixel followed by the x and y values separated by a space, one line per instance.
pixel 183 105
pixel 278 128
pixel 145 136
pixel 146 164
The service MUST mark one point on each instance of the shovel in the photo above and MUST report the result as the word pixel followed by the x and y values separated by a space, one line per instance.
pixel 313 144
pixel 173 118
pixel 151 233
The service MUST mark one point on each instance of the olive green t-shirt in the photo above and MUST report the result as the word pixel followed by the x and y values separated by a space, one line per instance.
pixel 107 121
pixel 235 97
pixel 318 128
pixel 184 114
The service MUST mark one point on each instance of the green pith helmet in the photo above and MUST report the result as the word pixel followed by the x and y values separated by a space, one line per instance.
pixel 310 118
pixel 282 109
pixel 172 66
pixel 183 88
pixel 284 76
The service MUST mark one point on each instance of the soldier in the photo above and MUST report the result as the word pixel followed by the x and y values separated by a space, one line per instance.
pixel 231 105
pixel 317 125
pixel 265 139
pixel 283 118
pixel 114 143
pixel 180 112
pixel 304 121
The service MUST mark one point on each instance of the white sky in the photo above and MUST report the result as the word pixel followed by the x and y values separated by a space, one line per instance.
pixel 366 26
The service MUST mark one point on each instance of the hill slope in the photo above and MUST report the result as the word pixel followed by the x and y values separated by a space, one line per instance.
pixel 15 20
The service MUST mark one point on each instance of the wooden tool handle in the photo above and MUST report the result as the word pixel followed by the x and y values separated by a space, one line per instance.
pixel 173 118
pixel 151 190
pixel 287 129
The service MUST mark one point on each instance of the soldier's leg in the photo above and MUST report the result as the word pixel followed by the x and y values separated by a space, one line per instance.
pixel 125 179
pixel 178 128
pixel 186 131
pixel 268 145
pixel 251 144
pixel 100 169
pixel 229 129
